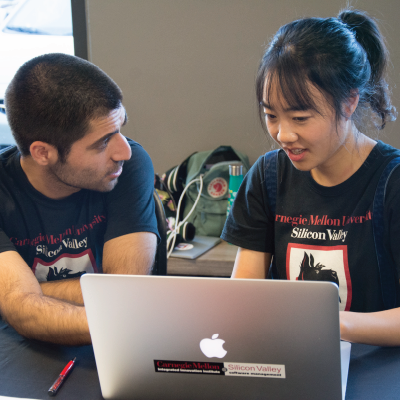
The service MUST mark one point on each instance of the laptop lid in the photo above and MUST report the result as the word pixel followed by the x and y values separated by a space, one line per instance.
pixel 210 338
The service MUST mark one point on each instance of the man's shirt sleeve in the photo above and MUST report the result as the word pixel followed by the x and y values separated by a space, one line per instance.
pixel 5 242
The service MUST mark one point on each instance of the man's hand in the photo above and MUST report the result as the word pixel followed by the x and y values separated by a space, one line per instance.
pixel 131 254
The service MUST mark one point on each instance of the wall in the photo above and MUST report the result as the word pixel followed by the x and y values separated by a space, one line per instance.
pixel 187 67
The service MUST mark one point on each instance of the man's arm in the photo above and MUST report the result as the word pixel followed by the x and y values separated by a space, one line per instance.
pixel 250 264
pixel 64 289
pixel 34 315
pixel 131 254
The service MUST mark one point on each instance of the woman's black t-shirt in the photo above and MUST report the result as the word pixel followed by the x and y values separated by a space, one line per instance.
pixel 321 233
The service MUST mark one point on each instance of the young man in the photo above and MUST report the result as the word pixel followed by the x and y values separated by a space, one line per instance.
pixel 76 196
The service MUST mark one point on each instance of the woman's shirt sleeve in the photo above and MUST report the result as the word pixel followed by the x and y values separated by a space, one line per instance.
pixel 250 223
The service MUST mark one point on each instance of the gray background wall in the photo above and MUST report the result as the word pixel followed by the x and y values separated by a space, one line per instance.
pixel 187 67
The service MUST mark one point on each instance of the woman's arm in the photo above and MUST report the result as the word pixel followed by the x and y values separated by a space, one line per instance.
pixel 251 264
pixel 380 328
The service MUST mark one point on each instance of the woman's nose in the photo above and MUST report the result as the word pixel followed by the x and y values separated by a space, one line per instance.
pixel 286 134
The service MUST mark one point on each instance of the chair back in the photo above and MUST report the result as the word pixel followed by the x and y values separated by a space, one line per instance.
pixel 160 263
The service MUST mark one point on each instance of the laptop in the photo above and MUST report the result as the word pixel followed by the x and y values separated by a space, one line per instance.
pixel 160 337
pixel 195 248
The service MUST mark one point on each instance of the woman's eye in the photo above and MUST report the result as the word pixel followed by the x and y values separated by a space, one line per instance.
pixel 270 117
pixel 300 119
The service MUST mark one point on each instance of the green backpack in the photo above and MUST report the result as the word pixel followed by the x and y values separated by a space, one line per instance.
pixel 210 213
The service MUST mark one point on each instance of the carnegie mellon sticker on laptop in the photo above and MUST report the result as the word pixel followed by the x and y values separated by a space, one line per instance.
pixel 226 368
pixel 189 367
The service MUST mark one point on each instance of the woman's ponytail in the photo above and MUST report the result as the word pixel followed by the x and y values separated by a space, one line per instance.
pixel 367 34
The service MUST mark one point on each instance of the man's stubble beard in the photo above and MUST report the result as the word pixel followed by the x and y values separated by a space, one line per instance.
pixel 84 179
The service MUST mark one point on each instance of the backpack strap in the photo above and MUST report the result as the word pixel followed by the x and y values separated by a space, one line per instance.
pixel 4 148
pixel 271 178
pixel 387 271
pixel 271 182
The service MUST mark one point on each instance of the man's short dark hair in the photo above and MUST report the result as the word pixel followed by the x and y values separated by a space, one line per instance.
pixel 52 98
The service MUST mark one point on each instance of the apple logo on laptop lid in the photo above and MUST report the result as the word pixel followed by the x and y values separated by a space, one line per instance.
pixel 213 347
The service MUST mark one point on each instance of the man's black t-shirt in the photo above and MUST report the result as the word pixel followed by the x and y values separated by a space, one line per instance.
pixel 321 233
pixel 61 239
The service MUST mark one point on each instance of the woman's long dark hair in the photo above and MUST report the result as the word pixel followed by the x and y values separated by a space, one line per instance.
pixel 340 56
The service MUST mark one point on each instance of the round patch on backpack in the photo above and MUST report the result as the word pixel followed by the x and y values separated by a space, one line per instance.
pixel 217 187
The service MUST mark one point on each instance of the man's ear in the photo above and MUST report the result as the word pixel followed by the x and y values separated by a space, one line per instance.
pixel 43 153
pixel 351 103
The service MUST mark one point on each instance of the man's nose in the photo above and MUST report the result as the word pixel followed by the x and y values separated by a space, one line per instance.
pixel 121 151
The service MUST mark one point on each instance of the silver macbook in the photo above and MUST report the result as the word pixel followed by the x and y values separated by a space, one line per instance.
pixel 160 337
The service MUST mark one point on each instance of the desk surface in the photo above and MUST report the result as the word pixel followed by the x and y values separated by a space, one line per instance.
pixel 216 262
pixel 28 369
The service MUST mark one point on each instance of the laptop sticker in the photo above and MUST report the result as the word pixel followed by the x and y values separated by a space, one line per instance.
pixel 250 370
pixel 184 246
pixel 255 370
pixel 189 367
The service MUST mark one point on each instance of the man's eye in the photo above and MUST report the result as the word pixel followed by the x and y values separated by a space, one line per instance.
pixel 104 143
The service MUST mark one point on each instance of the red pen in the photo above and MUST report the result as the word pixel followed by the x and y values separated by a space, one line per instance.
pixel 61 378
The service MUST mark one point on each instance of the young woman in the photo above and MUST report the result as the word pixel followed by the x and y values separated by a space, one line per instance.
pixel 320 85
